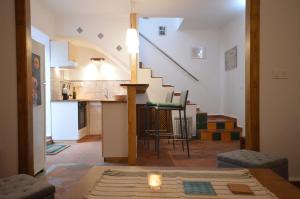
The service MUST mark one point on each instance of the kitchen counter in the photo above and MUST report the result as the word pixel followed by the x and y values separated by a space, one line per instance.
pixel 108 117
pixel 91 100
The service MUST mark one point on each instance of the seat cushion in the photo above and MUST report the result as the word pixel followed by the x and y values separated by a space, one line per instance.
pixel 24 186
pixel 151 103
pixel 169 105
pixel 251 159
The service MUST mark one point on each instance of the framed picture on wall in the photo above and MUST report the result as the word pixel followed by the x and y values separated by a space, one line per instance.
pixel 231 59
pixel 162 30
pixel 36 80
pixel 199 53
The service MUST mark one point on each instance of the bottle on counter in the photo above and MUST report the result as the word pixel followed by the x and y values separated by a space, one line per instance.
pixel 74 92
pixel 65 92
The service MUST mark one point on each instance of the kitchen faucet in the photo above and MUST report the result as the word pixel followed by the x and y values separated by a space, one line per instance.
pixel 106 93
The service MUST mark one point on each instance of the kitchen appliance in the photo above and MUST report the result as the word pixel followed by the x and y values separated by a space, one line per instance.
pixel 82 116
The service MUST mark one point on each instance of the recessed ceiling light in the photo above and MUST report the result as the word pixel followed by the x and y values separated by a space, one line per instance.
pixel 79 30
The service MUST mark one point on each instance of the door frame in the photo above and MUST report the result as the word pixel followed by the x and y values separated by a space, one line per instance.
pixel 24 85
pixel 252 74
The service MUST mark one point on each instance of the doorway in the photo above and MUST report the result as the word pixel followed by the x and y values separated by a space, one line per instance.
pixel 25 89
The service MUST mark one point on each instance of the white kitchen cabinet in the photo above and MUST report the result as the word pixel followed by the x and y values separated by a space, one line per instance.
pixel 64 115
pixel 95 118
pixel 63 54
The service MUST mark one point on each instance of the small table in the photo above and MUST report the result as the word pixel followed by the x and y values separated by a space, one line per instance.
pixel 276 184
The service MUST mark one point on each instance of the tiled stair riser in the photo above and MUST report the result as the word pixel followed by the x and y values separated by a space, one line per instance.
pixel 221 125
pixel 217 131
pixel 201 121
pixel 219 136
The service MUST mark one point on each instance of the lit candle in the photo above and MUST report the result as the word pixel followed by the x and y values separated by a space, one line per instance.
pixel 154 180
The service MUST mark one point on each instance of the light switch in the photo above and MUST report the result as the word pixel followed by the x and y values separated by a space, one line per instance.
pixel 279 73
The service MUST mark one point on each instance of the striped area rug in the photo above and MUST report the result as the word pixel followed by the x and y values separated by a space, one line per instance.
pixel 54 149
pixel 121 184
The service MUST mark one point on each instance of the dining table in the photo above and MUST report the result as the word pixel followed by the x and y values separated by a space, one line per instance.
pixel 112 182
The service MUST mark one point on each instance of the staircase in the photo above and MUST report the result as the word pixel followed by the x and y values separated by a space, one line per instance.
pixel 217 128
pixel 157 89
pixel 213 127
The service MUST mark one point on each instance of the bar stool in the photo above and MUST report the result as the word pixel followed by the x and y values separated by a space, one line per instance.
pixel 151 106
pixel 181 106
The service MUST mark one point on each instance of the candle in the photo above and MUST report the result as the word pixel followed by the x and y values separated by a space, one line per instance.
pixel 154 180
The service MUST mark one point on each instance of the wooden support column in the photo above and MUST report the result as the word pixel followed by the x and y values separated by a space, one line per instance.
pixel 133 56
pixel 131 93
pixel 24 83
pixel 252 73
pixel 132 128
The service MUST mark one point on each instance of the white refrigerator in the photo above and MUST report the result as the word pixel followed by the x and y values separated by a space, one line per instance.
pixel 38 93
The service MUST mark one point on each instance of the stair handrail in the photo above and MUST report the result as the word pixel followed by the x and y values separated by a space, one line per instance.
pixel 168 56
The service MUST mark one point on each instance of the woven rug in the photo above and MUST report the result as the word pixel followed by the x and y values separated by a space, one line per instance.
pixel 54 149
pixel 121 184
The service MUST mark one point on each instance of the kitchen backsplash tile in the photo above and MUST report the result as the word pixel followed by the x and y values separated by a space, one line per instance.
pixel 95 89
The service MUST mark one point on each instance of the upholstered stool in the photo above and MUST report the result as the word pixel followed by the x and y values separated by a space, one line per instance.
pixel 253 159
pixel 25 187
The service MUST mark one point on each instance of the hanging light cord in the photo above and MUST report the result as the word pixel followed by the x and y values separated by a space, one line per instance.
pixel 132 6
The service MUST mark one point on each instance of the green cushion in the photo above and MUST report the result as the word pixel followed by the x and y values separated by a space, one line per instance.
pixel 169 105
pixel 149 103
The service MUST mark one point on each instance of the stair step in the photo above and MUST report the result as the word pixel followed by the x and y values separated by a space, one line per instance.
pixel 157 77
pixel 223 125
pixel 222 130
pixel 177 94
pixel 220 118
pixel 146 68
pixel 167 85
pixel 220 135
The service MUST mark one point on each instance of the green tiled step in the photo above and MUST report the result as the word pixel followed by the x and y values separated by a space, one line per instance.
pixel 219 135
pixel 215 122
pixel 201 120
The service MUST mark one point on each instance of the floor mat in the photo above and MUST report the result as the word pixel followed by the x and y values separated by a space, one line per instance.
pixel 54 149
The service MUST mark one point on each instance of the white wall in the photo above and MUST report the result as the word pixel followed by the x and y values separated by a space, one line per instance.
pixel 42 18
pixel 233 81
pixel 178 44
pixel 280 98
pixel 88 70
pixel 8 94
pixel 112 27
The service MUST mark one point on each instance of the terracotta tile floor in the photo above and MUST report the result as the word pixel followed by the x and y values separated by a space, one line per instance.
pixel 66 168
pixel 86 151
pixel 202 154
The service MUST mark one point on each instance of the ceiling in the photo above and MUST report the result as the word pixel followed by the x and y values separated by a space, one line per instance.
pixel 196 13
